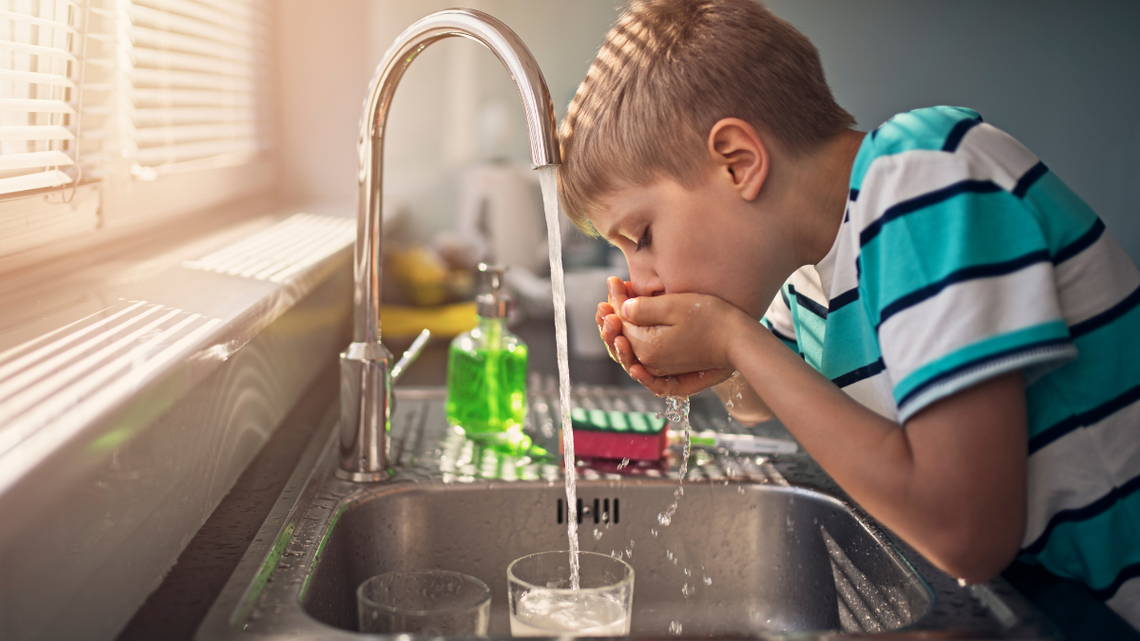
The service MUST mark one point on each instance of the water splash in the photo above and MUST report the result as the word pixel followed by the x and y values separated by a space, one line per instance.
pixel 677 411
pixel 548 180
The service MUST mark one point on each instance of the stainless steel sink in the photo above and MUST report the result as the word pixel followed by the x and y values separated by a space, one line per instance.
pixel 757 548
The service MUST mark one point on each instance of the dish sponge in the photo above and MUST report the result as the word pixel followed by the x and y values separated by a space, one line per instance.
pixel 612 434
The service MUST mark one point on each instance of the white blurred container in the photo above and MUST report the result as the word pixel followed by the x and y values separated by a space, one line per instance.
pixel 585 288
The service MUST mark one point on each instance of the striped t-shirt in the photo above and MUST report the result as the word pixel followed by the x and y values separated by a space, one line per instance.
pixel 961 257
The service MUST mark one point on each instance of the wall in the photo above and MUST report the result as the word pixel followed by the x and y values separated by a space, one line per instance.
pixel 1060 76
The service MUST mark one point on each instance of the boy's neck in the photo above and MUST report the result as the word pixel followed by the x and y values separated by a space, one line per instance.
pixel 818 193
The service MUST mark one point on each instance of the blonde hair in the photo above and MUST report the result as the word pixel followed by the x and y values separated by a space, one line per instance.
pixel 666 73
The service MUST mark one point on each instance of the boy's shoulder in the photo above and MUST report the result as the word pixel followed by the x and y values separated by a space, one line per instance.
pixel 927 129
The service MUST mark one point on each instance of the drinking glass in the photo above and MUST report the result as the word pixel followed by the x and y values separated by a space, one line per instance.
pixel 543 603
pixel 428 601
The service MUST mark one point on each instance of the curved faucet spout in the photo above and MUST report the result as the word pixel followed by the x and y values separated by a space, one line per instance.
pixel 365 376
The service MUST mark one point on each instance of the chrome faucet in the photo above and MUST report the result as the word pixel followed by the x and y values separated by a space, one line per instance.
pixel 365 375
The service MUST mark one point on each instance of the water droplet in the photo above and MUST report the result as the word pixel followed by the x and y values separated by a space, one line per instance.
pixel 687 590
pixel 707 580
pixel 597 534
pixel 688 572
pixel 675 628
pixel 653 531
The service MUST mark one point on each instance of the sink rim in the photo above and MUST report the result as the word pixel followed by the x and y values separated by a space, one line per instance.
pixel 279 554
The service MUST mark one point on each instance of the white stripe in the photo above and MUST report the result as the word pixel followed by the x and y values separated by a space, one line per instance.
pixel 893 179
pixel 1126 602
pixel 875 393
pixel 1003 159
pixel 965 313
pixel 840 262
pixel 806 282
pixel 1081 467
pixel 780 317
pixel 1104 263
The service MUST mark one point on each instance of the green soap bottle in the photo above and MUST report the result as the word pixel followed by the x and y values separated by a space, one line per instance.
pixel 486 373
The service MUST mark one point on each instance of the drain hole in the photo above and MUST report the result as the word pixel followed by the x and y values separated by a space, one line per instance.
pixel 600 508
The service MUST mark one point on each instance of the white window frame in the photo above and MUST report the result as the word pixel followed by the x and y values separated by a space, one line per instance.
pixel 114 191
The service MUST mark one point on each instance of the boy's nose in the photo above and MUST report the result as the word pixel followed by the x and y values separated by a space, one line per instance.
pixel 645 282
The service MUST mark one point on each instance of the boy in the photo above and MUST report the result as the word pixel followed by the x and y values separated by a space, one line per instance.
pixel 964 339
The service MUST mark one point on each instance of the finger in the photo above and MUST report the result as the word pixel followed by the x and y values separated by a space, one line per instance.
pixel 604 309
pixel 611 328
pixel 648 310
pixel 617 291
pixel 624 350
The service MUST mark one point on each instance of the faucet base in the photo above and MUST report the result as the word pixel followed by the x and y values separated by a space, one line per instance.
pixel 365 410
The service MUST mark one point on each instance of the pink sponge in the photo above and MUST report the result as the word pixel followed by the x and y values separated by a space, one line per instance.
pixel 638 436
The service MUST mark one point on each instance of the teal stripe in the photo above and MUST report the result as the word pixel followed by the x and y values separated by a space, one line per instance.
pixel 850 342
pixel 926 246
pixel 1098 374
pixel 979 351
pixel 790 344
pixel 921 129
pixel 1095 550
pixel 1060 212
pixel 810 330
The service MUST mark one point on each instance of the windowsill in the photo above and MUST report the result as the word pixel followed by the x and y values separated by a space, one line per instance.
pixel 99 339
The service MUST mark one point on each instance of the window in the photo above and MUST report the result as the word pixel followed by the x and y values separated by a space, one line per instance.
pixel 119 111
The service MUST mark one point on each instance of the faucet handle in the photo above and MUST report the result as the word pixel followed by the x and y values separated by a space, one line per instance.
pixel 410 356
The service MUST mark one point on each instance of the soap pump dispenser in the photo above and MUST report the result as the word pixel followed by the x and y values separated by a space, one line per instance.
pixel 486 373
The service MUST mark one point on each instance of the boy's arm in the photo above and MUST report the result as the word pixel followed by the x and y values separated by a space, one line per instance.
pixel 951 482
pixel 741 401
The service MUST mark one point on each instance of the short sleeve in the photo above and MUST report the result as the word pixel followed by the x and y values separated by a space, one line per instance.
pixel 957 279
pixel 778 320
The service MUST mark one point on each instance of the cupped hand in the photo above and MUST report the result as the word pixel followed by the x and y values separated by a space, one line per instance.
pixel 660 377
pixel 679 332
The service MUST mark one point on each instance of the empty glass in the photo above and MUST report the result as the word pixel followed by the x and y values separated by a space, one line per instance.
pixel 542 603
pixel 428 601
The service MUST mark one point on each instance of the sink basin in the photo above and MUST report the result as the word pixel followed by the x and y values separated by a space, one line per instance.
pixel 736 560
pixel 757 548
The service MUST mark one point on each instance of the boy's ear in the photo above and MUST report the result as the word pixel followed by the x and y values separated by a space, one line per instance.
pixel 739 154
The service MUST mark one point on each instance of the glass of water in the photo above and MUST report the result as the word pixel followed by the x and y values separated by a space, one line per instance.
pixel 428 601
pixel 543 603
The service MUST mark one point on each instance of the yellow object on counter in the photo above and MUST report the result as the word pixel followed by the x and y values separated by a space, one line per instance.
pixel 444 320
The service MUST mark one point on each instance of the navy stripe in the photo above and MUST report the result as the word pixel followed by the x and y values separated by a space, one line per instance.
pixel 808 304
pixel 977 363
pixel 1079 245
pixel 922 202
pixel 1088 417
pixel 966 273
pixel 1094 509
pixel 853 195
pixel 780 335
pixel 858 374
pixel 1107 316
pixel 1128 573
pixel 784 296
pixel 849 296
pixel 958 132
pixel 1028 178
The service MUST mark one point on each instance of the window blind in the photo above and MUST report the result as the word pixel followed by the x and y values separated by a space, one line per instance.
pixel 39 78
pixel 198 75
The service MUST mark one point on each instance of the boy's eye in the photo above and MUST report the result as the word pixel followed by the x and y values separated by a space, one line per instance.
pixel 643 242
